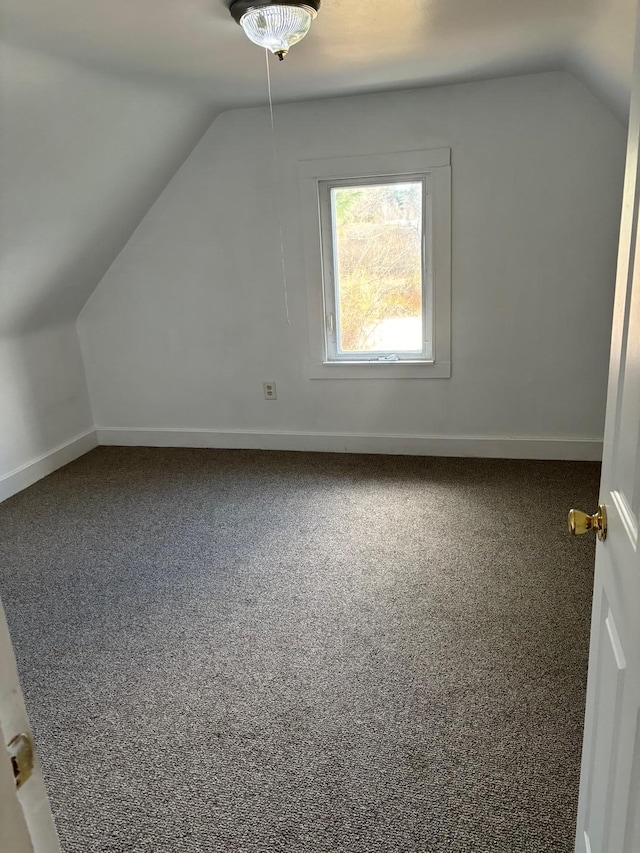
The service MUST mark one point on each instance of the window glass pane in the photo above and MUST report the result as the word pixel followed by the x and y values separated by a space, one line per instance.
pixel 378 265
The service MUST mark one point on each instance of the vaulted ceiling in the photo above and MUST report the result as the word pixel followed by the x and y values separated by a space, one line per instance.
pixel 355 45
pixel 103 99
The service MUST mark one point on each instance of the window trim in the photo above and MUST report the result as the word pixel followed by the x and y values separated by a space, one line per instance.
pixel 434 165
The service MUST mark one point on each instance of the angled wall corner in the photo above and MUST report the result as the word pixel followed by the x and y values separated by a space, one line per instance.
pixel 602 51
pixel 82 158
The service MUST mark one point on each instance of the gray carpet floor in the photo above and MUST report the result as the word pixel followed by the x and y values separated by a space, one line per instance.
pixel 246 652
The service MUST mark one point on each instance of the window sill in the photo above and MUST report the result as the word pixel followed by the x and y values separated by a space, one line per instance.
pixel 381 370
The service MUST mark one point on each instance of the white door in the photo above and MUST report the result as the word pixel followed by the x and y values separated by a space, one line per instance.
pixel 26 824
pixel 609 810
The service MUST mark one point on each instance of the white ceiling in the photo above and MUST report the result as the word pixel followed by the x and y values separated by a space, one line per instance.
pixel 354 46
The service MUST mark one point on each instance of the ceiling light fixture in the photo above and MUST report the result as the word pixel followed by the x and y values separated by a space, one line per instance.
pixel 276 26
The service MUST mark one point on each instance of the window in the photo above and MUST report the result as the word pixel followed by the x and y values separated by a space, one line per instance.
pixel 376 281
pixel 377 241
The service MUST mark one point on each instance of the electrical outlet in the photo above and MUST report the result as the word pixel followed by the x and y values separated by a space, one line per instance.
pixel 270 391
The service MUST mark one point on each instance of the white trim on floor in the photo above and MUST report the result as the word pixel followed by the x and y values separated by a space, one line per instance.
pixel 578 449
pixel 29 473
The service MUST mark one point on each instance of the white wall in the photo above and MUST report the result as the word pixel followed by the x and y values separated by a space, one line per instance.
pixel 189 320
pixel 44 401
pixel 82 158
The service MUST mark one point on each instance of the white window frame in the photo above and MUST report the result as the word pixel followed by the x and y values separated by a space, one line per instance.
pixel 330 278
pixel 316 177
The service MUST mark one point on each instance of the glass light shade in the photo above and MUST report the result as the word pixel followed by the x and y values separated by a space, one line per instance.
pixel 277 27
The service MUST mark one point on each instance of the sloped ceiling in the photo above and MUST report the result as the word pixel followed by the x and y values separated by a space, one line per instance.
pixel 601 52
pixel 89 143
pixel 82 158
pixel 355 45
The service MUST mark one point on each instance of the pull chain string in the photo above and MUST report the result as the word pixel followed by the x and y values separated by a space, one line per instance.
pixel 275 179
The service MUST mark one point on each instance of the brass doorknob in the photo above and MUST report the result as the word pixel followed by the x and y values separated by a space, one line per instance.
pixel 580 522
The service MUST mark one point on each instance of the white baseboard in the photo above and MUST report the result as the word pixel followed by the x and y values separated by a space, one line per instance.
pixel 411 445
pixel 29 473
pixel 578 449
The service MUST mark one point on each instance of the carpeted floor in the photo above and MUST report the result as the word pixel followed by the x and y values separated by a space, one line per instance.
pixel 245 652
